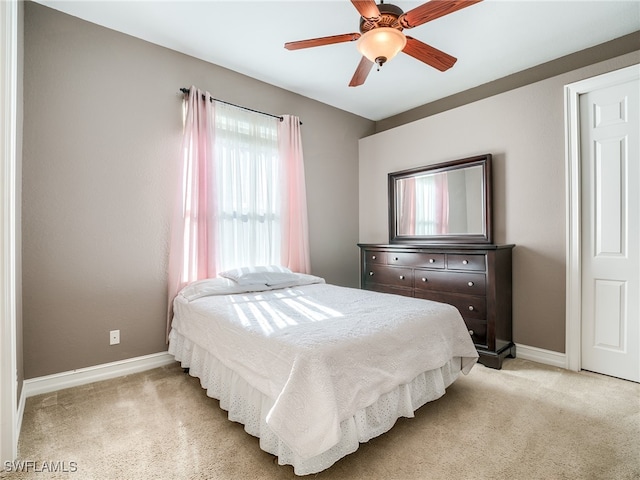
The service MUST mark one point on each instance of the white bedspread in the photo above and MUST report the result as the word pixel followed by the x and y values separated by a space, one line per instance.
pixel 321 352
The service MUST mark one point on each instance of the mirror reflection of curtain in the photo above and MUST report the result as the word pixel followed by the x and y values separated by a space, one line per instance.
pixel 432 205
pixel 407 215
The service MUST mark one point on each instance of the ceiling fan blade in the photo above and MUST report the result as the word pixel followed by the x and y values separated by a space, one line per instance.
pixel 428 54
pixel 432 10
pixel 367 8
pixel 318 42
pixel 364 67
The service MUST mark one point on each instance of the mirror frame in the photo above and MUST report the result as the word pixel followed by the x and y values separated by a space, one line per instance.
pixel 487 221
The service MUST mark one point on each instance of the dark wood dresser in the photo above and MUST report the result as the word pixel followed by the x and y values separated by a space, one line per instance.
pixel 474 278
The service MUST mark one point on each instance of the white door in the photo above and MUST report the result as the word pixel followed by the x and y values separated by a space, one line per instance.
pixel 610 205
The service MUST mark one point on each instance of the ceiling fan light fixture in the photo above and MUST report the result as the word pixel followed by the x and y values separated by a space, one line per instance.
pixel 381 44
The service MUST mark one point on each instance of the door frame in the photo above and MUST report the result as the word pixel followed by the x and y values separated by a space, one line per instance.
pixel 8 229
pixel 572 94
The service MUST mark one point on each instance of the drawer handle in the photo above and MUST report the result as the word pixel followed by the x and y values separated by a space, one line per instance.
pixel 431 260
pixel 471 332
pixel 424 279
pixel 471 309
pixel 464 262
pixel 470 284
pixel 401 277
pixel 371 274
pixel 395 259
pixel 373 257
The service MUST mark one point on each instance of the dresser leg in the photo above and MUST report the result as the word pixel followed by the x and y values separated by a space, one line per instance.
pixel 490 361
pixel 494 359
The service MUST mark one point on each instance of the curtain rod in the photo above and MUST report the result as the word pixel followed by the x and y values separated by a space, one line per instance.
pixel 186 90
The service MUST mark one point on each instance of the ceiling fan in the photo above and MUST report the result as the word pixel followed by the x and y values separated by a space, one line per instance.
pixel 381 37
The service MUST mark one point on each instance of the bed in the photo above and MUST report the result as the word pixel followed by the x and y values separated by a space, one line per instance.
pixel 314 369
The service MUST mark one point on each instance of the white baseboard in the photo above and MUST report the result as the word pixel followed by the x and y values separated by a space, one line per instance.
pixel 547 357
pixel 82 376
pixel 21 403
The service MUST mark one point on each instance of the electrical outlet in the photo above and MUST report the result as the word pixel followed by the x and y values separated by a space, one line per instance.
pixel 114 337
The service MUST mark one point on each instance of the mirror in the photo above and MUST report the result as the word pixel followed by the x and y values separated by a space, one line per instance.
pixel 443 203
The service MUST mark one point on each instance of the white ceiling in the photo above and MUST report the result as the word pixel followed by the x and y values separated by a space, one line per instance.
pixel 491 39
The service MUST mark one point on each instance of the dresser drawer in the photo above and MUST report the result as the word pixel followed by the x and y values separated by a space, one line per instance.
pixel 469 306
pixel 477 330
pixel 412 259
pixel 395 276
pixel 476 324
pixel 454 282
pixel 375 257
pixel 466 262
pixel 378 287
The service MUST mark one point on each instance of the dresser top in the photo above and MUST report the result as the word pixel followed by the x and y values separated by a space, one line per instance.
pixel 422 247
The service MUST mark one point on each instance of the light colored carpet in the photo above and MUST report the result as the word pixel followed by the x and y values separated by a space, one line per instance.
pixel 526 421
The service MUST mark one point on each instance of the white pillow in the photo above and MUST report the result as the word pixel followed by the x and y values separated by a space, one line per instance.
pixel 308 279
pixel 270 275
pixel 210 286
pixel 225 286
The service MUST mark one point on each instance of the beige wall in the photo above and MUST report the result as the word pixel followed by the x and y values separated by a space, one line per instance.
pixel 102 130
pixel 524 130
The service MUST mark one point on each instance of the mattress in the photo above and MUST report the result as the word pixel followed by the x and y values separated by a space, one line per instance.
pixel 316 358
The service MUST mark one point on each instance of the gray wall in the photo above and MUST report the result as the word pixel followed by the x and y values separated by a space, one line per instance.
pixel 102 131
pixel 524 130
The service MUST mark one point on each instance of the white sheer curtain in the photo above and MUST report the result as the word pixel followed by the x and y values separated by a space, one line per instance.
pixel 247 183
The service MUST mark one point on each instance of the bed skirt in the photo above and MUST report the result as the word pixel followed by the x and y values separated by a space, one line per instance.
pixel 250 407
